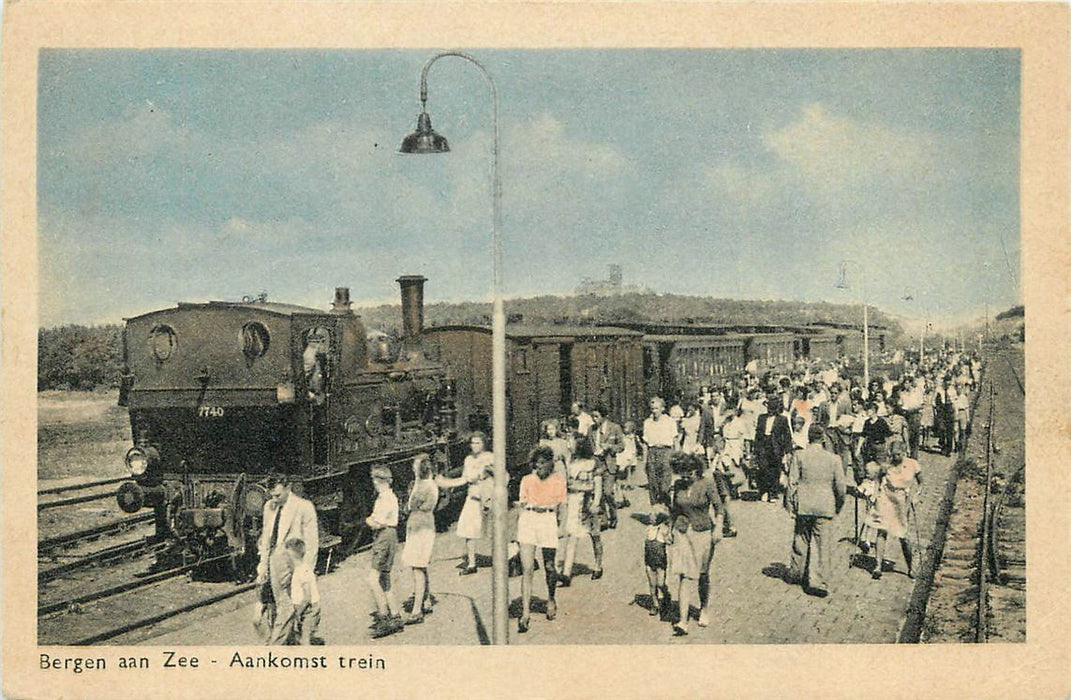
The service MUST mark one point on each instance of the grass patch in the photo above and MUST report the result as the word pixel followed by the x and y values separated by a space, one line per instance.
pixel 81 434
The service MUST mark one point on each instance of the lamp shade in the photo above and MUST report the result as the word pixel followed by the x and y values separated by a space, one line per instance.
pixel 424 139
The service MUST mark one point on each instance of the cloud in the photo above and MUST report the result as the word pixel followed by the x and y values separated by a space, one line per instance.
pixel 745 186
pixel 541 147
pixel 831 151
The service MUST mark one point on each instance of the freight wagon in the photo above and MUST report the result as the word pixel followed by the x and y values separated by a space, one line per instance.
pixel 548 368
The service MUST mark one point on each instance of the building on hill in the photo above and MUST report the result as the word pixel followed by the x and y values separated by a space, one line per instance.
pixel 613 285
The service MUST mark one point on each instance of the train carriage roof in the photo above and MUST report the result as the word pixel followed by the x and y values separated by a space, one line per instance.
pixel 271 307
pixel 518 331
pixel 697 340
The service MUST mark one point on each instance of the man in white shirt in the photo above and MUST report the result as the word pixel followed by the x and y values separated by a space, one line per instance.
pixel 911 398
pixel 830 375
pixel 660 434
pixel 583 418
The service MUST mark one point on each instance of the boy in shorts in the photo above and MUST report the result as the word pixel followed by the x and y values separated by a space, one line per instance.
pixel 654 555
pixel 384 524
pixel 305 595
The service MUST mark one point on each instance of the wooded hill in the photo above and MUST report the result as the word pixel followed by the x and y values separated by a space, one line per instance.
pixel 636 307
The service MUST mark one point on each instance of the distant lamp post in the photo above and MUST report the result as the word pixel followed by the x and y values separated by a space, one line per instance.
pixel 423 141
pixel 909 295
pixel 843 282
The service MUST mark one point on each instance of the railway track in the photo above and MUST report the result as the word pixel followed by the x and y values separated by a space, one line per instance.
pixel 124 551
pixel 1002 547
pixel 127 612
pixel 74 602
pixel 978 591
pixel 157 618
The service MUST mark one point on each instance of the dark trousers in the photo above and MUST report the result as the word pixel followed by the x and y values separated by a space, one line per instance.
pixel 810 553
pixel 721 480
pixel 609 502
pixel 658 476
pixel 946 429
pixel 769 476
pixel 914 424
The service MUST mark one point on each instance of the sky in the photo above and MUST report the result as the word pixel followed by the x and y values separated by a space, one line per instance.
pixel 167 175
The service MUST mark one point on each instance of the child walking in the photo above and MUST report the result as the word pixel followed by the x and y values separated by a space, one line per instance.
pixel 658 536
pixel 384 523
pixel 305 595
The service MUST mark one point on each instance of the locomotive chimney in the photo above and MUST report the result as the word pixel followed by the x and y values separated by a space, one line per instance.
pixel 342 300
pixel 412 307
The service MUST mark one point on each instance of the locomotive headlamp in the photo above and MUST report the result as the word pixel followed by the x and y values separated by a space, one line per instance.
pixel 139 459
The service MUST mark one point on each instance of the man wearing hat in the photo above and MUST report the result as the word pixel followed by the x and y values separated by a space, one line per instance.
pixel 286 516
pixel 816 488
pixel 773 441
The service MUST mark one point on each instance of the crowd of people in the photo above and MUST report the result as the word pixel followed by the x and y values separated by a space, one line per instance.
pixel 807 439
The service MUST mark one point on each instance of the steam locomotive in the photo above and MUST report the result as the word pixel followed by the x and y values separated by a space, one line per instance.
pixel 223 395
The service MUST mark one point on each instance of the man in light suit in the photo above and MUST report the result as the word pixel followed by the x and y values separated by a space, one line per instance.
pixel 286 516
pixel 816 490
pixel 609 441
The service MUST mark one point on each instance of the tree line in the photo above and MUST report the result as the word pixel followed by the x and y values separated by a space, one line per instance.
pixel 79 358
pixel 636 307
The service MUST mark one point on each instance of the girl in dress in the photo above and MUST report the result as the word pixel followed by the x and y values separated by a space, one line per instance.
pixel 476 477
pixel 695 496
pixel 895 503
pixel 542 493
pixel 582 519
pixel 690 428
pixel 420 535
pixel 628 459
pixel 550 436
pixel 869 488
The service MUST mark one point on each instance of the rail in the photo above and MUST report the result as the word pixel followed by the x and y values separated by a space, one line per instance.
pixel 181 610
pixel 74 501
pixel 79 487
pixel 985 551
pixel 69 539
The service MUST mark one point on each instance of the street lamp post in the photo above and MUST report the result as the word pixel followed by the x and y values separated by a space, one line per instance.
pixel 842 283
pixel 426 140
pixel 909 295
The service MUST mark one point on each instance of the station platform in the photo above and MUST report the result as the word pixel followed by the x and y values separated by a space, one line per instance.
pixel 750 601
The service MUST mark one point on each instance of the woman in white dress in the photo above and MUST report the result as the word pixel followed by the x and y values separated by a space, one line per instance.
pixel 476 476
